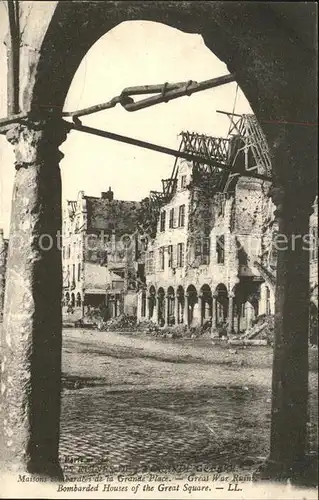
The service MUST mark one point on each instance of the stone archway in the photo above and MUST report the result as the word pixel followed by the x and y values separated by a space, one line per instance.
pixel 143 303
pixel 206 304
pixel 193 314
pixel 221 305
pixel 161 306
pixel 270 62
pixel 246 295
pixel 171 320
pixel 151 302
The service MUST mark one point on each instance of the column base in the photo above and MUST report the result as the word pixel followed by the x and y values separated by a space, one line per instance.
pixel 301 473
pixel 51 470
pixel 41 469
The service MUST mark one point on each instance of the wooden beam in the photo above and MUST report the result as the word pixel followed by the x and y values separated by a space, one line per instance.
pixel 160 149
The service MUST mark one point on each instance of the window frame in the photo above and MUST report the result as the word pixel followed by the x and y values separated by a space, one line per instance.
pixel 170 256
pixel 180 255
pixel 162 221
pixel 181 216
pixel 162 258
pixel 171 219
pixel 220 249
pixel 183 181
pixel 149 267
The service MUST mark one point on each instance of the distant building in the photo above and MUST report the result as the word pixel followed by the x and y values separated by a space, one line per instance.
pixel 3 262
pixel 98 263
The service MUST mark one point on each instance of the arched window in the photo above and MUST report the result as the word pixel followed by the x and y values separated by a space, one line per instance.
pixel 72 300
pixel 78 300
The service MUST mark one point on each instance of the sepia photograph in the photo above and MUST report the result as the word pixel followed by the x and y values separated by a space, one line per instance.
pixel 158 249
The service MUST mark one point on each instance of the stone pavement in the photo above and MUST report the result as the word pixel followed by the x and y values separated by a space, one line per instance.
pixel 146 405
pixel 153 430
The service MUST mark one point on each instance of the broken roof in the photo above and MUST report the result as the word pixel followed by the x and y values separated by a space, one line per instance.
pixel 118 215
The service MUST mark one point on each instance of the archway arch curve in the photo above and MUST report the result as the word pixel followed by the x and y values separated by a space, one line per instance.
pixel 269 65
pixel 70 29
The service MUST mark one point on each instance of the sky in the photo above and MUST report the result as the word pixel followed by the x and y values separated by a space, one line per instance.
pixel 133 53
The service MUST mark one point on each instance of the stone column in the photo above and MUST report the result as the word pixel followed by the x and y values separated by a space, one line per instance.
pixel 214 311
pixel 177 305
pixel 230 329
pixel 288 443
pixel 167 311
pixel 31 342
pixel 239 310
pixel 158 309
pixel 186 305
pixel 200 309
pixel 148 309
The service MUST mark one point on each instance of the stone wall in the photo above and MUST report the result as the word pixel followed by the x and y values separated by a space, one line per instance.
pixel 130 303
pixel 3 261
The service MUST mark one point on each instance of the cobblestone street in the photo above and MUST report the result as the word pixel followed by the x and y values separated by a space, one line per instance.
pixel 143 404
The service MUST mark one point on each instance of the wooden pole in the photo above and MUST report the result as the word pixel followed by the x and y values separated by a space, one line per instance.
pixel 160 149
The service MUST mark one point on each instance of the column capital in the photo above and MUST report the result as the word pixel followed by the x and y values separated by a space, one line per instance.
pixel 36 140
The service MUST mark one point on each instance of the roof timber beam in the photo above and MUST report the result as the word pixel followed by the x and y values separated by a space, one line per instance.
pixel 160 149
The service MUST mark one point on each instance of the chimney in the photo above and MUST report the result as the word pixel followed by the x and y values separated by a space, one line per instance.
pixel 108 195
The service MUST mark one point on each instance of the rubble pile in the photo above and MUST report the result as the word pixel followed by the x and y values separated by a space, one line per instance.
pixel 122 323
pixel 175 332
pixel 147 326
pixel 263 328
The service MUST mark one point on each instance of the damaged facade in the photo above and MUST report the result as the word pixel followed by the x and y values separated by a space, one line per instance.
pixel 200 252
pixel 99 270
pixel 3 262
pixel 280 95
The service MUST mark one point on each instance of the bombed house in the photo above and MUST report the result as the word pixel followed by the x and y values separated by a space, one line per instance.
pixel 99 256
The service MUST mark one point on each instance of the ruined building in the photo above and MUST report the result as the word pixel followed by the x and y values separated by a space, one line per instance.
pixel 213 257
pixel 98 256
pixel 269 51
